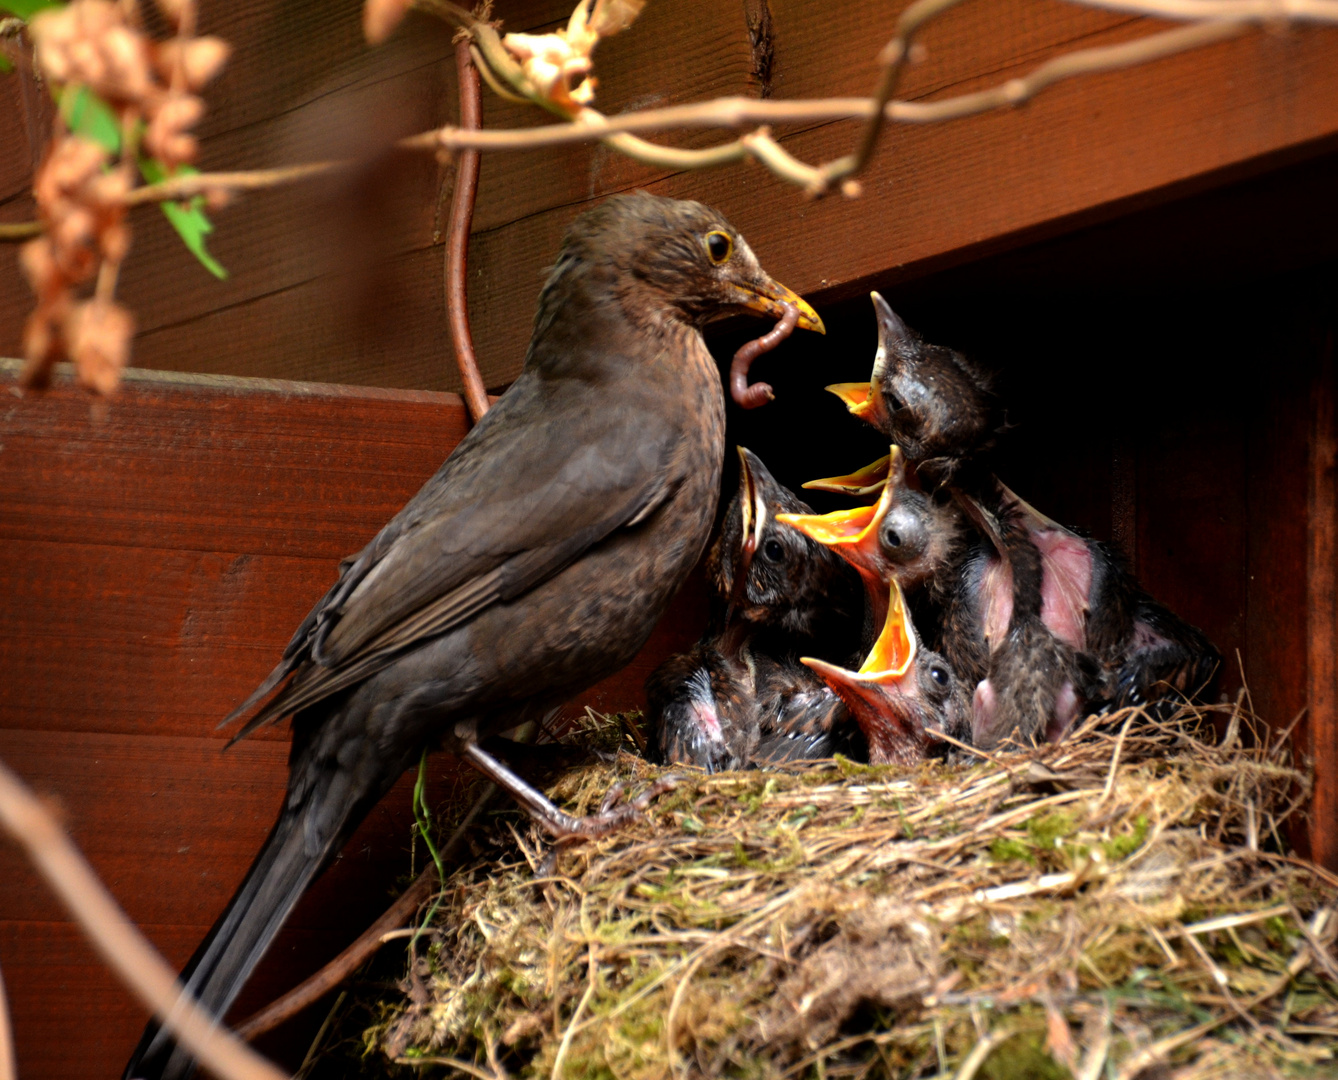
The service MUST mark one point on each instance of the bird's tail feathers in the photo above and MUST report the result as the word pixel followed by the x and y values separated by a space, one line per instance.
pixel 290 860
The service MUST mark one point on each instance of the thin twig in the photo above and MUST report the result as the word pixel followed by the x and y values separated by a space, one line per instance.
pixel 185 187
pixel 892 60
pixel 19 230
pixel 1259 11
pixel 457 239
pixel 616 132
pixel 119 941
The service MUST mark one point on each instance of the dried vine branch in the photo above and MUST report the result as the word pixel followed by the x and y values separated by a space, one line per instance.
pixel 457 239
pixel 118 940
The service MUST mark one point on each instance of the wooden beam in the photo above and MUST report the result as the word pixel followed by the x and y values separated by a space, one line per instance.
pixel 1322 610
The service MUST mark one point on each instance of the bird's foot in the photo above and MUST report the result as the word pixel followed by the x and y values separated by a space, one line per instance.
pixel 558 823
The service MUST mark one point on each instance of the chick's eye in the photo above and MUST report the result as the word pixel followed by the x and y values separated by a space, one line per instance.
pixel 772 550
pixel 939 675
pixel 719 247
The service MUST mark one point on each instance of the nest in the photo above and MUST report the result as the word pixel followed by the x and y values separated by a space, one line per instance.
pixel 1119 905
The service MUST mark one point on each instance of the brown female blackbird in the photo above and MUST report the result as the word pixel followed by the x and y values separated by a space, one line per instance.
pixel 739 697
pixel 534 563
pixel 904 696
pixel 936 404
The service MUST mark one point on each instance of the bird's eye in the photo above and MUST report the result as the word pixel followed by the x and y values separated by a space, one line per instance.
pixel 772 550
pixel 719 247
pixel 892 538
pixel 939 675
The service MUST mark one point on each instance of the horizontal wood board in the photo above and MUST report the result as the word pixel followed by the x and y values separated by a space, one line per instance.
pixel 342 282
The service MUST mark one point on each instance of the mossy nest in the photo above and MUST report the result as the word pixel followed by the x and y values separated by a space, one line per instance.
pixel 1122 904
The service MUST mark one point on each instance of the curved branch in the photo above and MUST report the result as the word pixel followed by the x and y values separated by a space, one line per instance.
pixel 118 940
pixel 457 239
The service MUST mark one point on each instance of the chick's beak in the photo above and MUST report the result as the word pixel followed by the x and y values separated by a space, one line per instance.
pixel 865 481
pixel 852 534
pixel 857 396
pixel 767 297
pixel 893 653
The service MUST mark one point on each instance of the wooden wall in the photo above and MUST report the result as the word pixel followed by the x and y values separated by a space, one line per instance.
pixel 344 284
pixel 153 562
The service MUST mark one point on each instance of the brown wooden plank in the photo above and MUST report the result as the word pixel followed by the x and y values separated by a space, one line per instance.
pixel 1321 733
pixel 934 193
pixel 179 463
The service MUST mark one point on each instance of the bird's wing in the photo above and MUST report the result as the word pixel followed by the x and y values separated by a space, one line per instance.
pixel 512 507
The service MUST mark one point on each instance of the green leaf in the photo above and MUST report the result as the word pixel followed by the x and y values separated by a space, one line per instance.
pixel 189 221
pixel 5 65
pixel 26 9
pixel 89 116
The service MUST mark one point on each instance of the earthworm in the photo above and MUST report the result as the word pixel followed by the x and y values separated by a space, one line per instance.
pixel 759 393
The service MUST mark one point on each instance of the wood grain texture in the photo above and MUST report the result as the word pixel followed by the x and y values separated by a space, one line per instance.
pixel 1322 557
pixel 342 282
pixel 155 557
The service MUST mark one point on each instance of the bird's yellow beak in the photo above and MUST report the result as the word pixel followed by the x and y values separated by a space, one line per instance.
pixel 853 534
pixel 858 396
pixel 894 651
pixel 767 298
pixel 865 481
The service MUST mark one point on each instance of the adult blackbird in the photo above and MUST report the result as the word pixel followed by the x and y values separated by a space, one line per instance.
pixel 904 697
pixel 534 563
pixel 739 697
pixel 936 404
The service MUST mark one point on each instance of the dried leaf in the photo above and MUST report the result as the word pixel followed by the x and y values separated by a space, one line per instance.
pixel 98 334
pixel 613 16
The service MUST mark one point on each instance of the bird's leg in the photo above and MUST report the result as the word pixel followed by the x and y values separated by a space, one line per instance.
pixel 560 824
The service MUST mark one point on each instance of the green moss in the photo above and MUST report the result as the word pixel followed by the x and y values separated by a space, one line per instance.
pixel 1046 830
pixel 1023 1057
pixel 1126 843
pixel 1004 850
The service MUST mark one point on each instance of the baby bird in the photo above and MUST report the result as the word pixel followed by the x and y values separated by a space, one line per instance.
pixel 904 697
pixel 739 697
pixel 1142 650
pixel 907 536
pixel 936 404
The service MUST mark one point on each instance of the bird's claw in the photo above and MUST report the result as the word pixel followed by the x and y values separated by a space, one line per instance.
pixel 611 816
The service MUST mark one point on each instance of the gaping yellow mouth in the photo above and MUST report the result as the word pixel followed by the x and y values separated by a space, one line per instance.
pixel 894 652
pixel 858 396
pixel 853 534
pixel 767 299
pixel 863 481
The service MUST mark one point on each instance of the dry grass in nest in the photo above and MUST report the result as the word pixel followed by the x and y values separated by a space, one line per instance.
pixel 1114 906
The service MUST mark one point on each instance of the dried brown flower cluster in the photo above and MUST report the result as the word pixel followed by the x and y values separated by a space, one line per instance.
pixel 81 186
